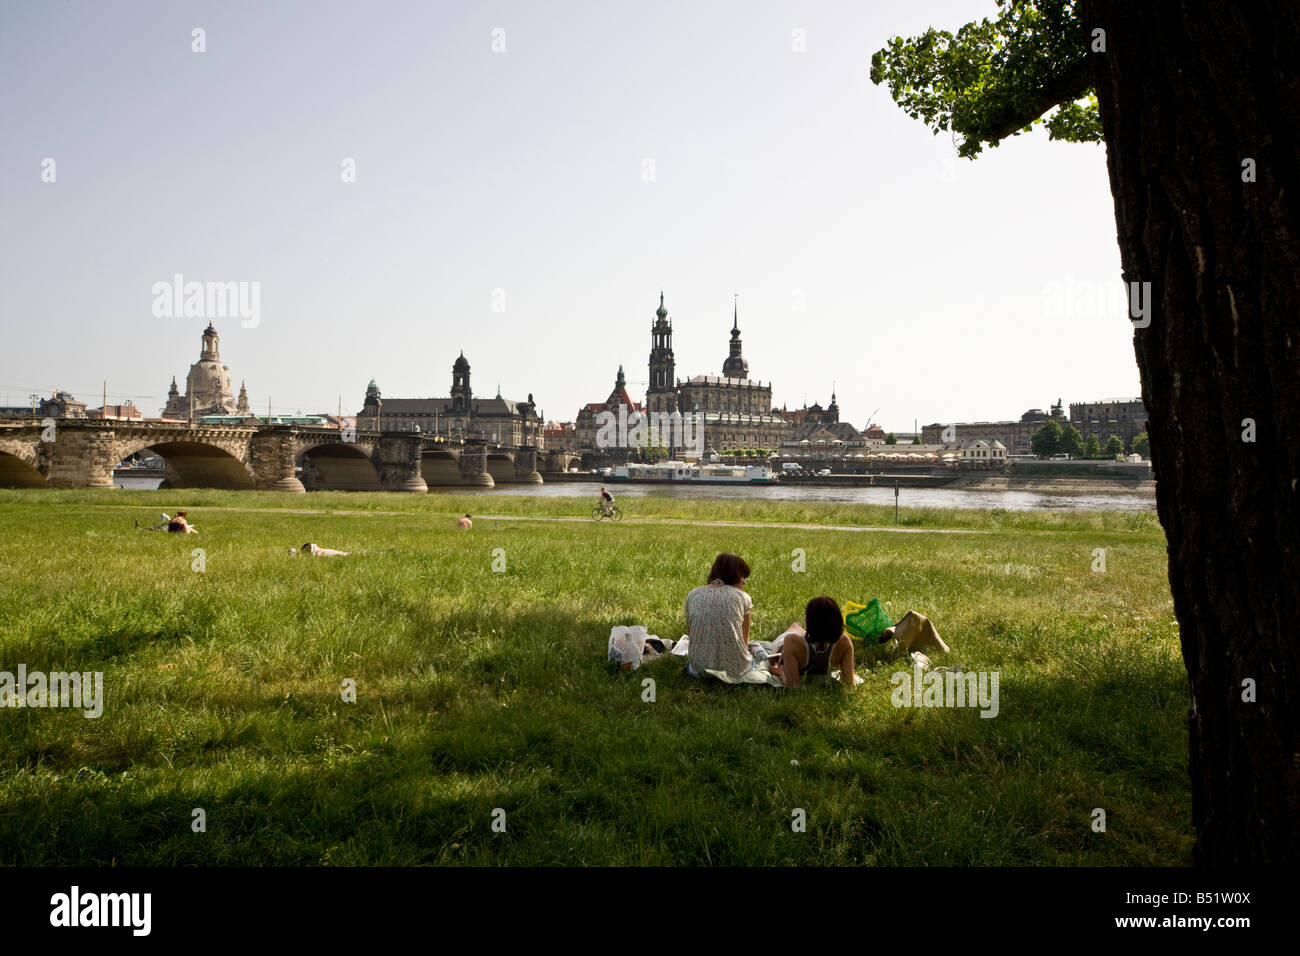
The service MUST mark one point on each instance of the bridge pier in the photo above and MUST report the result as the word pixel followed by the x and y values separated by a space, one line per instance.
pixel 398 459
pixel 79 458
pixel 273 460
pixel 526 466
pixel 473 464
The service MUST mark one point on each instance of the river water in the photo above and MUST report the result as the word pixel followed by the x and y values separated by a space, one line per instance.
pixel 908 497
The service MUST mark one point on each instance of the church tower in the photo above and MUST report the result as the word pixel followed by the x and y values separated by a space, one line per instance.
pixel 661 396
pixel 210 342
pixel 460 390
pixel 175 407
pixel 735 366
pixel 242 405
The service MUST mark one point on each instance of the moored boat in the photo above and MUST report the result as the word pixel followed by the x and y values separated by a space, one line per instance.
pixel 689 472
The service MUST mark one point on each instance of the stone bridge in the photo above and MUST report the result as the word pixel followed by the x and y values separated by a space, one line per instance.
pixel 82 453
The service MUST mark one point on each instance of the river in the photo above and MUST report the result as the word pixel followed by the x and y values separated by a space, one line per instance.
pixel 908 497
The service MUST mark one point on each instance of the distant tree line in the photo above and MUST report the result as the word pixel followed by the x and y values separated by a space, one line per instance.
pixel 1052 440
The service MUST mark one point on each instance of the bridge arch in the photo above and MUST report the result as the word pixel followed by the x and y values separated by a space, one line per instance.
pixel 501 466
pixel 193 464
pixel 338 466
pixel 440 466
pixel 18 468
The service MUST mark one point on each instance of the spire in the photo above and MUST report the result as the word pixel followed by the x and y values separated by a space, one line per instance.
pixel 735 314
pixel 621 381
pixel 735 366
pixel 661 311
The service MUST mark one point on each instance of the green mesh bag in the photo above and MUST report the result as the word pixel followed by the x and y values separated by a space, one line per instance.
pixel 866 620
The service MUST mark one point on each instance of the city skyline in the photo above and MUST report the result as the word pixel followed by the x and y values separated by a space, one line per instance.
pixel 714 157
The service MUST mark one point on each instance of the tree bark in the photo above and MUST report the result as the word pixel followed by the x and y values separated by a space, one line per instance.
pixel 1188 91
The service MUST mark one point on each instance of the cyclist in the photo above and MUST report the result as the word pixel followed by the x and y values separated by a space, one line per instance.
pixel 606 501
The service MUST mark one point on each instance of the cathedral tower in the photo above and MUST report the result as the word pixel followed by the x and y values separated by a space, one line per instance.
pixel 661 396
pixel 460 390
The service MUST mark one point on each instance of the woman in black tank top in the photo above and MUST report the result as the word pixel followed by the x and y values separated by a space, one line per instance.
pixel 822 646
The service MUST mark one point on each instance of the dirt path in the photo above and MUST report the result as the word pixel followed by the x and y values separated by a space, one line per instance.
pixel 338 512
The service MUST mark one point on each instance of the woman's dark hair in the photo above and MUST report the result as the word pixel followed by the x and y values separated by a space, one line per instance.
pixel 825 622
pixel 729 569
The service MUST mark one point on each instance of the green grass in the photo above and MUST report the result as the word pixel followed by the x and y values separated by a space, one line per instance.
pixel 479 690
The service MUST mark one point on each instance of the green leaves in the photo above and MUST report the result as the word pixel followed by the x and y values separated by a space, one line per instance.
pixel 996 78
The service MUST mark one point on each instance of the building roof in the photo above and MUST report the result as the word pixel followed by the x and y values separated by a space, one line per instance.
pixel 841 430
pixel 121 411
pixel 720 380
pixel 488 407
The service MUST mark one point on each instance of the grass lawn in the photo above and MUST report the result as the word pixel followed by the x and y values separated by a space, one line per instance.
pixel 479 689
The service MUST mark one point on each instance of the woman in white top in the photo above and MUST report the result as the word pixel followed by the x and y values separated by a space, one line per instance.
pixel 717 620
pixel 316 551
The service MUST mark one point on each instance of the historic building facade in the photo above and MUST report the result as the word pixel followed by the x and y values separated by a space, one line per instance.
pixel 588 425
pixel 737 410
pixel 207 387
pixel 1125 417
pixel 1014 436
pixel 502 421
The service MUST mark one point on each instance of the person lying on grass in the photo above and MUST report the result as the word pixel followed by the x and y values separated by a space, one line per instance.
pixel 316 551
pixel 717 620
pixel 181 525
pixel 813 649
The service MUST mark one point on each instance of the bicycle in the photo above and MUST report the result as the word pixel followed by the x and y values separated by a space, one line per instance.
pixel 613 514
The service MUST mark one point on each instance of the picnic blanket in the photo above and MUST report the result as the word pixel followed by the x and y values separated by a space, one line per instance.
pixel 760 673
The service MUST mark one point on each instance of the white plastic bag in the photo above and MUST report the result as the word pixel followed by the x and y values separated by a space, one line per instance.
pixel 627 645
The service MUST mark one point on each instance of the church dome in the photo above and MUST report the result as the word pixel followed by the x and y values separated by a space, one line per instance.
pixel 461 364
pixel 209 383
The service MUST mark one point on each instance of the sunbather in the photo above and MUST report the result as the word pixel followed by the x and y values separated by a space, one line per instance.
pixel 316 551
pixel 181 525
pixel 817 646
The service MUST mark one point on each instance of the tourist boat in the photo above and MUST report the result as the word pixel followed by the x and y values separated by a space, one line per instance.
pixel 689 472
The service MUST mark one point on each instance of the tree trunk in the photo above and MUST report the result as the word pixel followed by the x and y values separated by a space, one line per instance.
pixel 1188 91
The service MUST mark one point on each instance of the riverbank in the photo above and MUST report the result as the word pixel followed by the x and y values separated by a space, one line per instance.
pixel 481 685
pixel 1057 486
pixel 1074 486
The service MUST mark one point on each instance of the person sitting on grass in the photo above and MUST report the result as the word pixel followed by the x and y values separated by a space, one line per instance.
pixel 465 523
pixel 717 620
pixel 181 525
pixel 814 651
pixel 316 551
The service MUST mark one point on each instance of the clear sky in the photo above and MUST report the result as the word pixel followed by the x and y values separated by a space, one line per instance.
pixel 612 149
